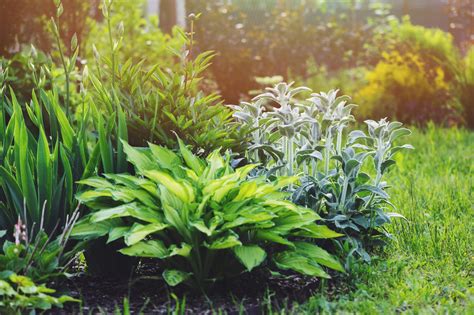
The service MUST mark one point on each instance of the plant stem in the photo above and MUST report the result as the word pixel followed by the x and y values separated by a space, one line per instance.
pixel 63 62
pixel 344 193
pixel 327 151
pixel 291 157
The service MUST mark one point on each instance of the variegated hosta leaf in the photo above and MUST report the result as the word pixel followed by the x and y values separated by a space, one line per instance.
pixel 175 277
pixel 300 263
pixel 138 232
pixel 224 242
pixel 250 256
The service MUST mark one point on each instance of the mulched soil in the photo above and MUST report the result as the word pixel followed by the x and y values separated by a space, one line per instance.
pixel 152 296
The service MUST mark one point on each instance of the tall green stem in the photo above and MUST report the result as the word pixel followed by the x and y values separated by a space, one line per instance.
pixel 344 193
pixel 327 151
pixel 290 154
pixel 63 62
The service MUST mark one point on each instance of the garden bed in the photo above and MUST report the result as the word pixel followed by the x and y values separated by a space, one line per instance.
pixel 252 292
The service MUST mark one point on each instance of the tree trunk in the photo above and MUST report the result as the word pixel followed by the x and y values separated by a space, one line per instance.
pixel 167 15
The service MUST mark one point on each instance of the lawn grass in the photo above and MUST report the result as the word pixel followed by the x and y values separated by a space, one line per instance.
pixel 429 266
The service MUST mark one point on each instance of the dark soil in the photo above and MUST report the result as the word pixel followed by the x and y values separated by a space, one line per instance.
pixel 150 295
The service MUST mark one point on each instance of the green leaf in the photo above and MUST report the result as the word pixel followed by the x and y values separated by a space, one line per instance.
pixel 96 182
pixel 181 189
pixel 25 174
pixel 273 237
pixel 105 147
pixel 399 133
pixel 317 231
pixel 13 188
pixel 139 158
pixel 294 221
pixel 183 250
pixel 225 242
pixel 91 195
pixel 116 212
pixel 151 249
pixel 299 263
pixel 196 164
pixel 319 255
pixel 139 232
pixel 44 170
pixel 201 227
pixel 250 256
pixel 85 229
pixel 122 133
pixel 167 159
pixel 117 232
pixel 386 164
pixel 350 165
pixel 175 277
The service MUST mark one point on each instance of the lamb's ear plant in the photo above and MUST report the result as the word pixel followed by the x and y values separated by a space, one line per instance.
pixel 311 138
pixel 203 219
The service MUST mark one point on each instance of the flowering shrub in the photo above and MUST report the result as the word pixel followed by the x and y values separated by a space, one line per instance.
pixel 404 86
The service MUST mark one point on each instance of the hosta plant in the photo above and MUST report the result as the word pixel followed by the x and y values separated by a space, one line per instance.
pixel 203 219
pixel 340 170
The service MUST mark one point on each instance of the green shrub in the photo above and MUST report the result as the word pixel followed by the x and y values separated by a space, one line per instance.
pixel 415 75
pixel 465 86
pixel 310 138
pixel 157 102
pixel 31 69
pixel 271 38
pixel 434 45
pixel 405 87
pixel 142 38
pixel 203 219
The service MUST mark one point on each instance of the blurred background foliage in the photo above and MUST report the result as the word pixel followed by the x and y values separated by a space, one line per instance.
pixel 413 68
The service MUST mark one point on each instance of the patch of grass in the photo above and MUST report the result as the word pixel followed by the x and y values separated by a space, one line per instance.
pixel 429 267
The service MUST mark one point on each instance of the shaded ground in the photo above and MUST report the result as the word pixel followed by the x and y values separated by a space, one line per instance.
pixel 252 293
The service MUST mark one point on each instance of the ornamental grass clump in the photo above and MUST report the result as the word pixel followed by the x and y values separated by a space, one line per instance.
pixel 340 171
pixel 202 219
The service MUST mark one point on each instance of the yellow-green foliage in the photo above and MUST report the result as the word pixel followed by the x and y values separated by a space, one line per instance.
pixel 405 86
pixel 466 87
pixel 416 77
pixel 430 43
pixel 469 64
